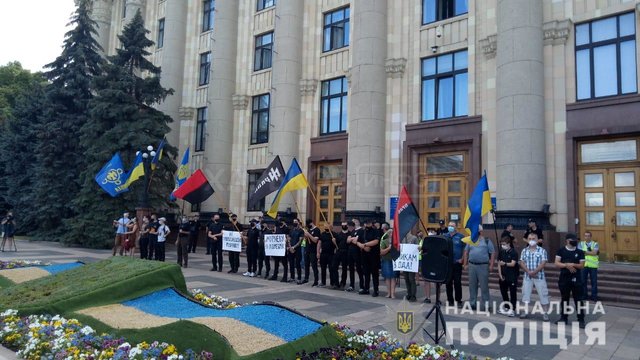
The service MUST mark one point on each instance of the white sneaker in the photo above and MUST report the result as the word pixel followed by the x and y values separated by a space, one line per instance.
pixel 503 311
pixel 246 274
pixel 511 313
pixel 252 274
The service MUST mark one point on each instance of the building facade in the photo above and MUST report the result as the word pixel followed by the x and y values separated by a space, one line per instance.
pixel 370 95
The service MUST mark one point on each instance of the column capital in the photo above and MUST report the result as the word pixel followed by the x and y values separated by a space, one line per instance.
pixel 308 87
pixel 489 46
pixel 186 113
pixel 556 32
pixel 395 67
pixel 240 102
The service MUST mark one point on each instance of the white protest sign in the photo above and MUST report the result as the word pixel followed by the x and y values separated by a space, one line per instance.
pixel 408 260
pixel 231 241
pixel 275 244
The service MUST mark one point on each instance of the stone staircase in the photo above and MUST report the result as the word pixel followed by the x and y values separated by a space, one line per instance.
pixel 618 285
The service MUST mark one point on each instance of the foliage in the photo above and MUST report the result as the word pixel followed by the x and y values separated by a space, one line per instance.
pixel 106 282
pixel 123 116
pixel 59 157
pixel 43 336
pixel 15 82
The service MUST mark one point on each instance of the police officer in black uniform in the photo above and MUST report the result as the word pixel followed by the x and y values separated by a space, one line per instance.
pixel 214 239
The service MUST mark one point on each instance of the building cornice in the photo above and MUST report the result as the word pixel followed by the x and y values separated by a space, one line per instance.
pixel 556 32
pixel 489 46
pixel 395 67
pixel 240 102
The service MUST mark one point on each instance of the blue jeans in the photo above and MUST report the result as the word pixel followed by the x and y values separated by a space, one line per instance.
pixel 593 272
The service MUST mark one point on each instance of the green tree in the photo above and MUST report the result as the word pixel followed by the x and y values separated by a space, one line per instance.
pixel 123 119
pixel 59 156
pixel 15 84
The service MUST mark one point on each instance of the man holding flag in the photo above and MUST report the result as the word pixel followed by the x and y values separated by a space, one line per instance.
pixel 479 255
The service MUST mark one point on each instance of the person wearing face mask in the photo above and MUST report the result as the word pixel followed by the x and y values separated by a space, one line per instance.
pixel 253 236
pixel 214 237
pixel 570 260
pixel 163 233
pixel 263 259
pixel 234 257
pixel 479 259
pixel 353 254
pixel 455 282
pixel 182 245
pixel 370 248
pixel 340 257
pixel 327 249
pixel 284 230
pixel 153 236
pixel 311 253
pixel 508 274
pixel 294 252
pixel 532 261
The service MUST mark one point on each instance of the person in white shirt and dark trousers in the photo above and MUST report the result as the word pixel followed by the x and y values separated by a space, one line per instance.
pixel 163 232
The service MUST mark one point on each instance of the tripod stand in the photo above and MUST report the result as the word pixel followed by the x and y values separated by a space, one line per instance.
pixel 4 241
pixel 439 318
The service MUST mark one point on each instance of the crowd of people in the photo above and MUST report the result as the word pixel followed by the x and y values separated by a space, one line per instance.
pixel 364 250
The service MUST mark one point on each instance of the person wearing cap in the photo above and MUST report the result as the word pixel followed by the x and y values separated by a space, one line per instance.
pixel 591 256
pixel 214 242
pixel 533 227
pixel 442 229
pixel 508 231
pixel 163 233
pixel 234 257
pixel 479 259
pixel 570 260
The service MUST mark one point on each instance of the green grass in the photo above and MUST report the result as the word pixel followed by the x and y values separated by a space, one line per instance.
pixel 5 283
pixel 106 282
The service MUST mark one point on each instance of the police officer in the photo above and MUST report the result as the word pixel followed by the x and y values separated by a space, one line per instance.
pixel 592 262
pixel 214 242
pixel 570 261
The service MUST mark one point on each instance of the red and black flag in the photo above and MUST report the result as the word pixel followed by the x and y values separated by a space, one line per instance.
pixel 269 181
pixel 196 189
pixel 404 220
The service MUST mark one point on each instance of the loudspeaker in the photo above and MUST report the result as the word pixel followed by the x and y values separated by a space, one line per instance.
pixel 437 259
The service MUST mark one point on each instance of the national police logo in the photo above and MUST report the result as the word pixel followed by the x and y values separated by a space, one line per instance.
pixel 404 321
pixel 113 176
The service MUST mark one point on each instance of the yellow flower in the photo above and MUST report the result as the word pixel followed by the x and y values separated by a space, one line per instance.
pixel 170 350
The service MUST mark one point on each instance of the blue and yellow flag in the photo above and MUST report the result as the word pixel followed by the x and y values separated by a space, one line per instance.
pixel 158 157
pixel 294 180
pixel 183 172
pixel 479 204
pixel 136 172
pixel 112 176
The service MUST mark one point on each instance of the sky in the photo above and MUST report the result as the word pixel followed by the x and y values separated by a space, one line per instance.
pixel 32 31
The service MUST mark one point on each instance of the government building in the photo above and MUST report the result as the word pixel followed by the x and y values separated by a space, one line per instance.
pixel 371 95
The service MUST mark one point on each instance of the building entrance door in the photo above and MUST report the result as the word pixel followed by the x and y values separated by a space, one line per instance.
pixel 329 188
pixel 608 198
pixel 443 188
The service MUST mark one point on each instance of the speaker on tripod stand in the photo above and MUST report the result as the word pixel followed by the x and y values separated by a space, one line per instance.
pixel 437 266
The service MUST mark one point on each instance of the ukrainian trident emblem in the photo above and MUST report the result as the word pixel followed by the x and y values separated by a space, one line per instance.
pixel 113 176
pixel 404 321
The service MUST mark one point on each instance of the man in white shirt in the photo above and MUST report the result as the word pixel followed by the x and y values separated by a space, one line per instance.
pixel 121 230
pixel 163 233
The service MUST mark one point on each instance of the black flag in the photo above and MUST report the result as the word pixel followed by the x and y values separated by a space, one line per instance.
pixel 268 182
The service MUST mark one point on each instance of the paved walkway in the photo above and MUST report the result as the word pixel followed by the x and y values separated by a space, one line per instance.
pixel 366 312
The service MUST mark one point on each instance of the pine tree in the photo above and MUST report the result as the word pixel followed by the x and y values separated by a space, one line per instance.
pixel 123 120
pixel 59 156
pixel 17 151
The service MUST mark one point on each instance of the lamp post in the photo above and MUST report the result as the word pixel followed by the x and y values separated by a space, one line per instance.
pixel 144 208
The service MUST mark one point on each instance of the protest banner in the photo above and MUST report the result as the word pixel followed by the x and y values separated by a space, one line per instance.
pixel 408 260
pixel 275 244
pixel 231 241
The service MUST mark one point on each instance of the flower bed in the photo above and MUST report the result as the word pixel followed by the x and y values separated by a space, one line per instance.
pixel 42 336
pixel 215 301
pixel 14 264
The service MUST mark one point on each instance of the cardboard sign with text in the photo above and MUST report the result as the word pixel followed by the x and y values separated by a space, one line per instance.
pixel 408 260
pixel 231 241
pixel 275 244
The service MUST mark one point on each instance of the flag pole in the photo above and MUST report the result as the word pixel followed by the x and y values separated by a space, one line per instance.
pixel 318 207
pixel 493 214
pixel 295 203
pixel 228 210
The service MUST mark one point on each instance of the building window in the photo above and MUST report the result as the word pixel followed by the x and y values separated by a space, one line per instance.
pixel 444 86
pixel 260 119
pixel 264 4
pixel 201 128
pixel 336 29
pixel 207 15
pixel 606 57
pixel 436 10
pixel 264 46
pixel 205 66
pixel 254 175
pixel 160 39
pixel 333 116
pixel 124 9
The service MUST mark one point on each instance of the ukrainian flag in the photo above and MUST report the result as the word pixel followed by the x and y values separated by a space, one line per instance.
pixel 294 180
pixel 136 172
pixel 158 157
pixel 183 172
pixel 479 204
